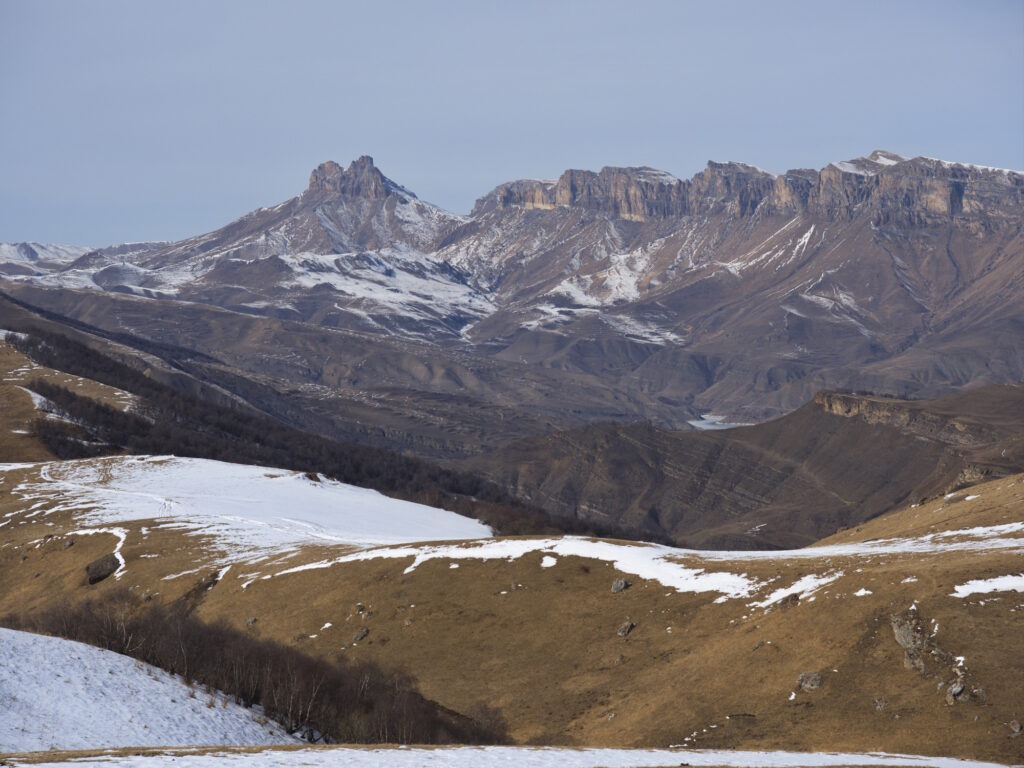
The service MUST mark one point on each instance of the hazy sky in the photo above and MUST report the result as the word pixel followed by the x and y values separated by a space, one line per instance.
pixel 159 120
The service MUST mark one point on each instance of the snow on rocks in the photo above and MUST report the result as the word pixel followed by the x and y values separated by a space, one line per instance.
pixel 1008 583
pixel 250 511
pixel 526 757
pixel 59 694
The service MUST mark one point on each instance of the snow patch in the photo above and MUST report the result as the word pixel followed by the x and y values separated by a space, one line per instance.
pixel 646 561
pixel 523 757
pixel 1009 583
pixel 804 587
pixel 59 694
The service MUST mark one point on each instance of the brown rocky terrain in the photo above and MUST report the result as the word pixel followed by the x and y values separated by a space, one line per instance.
pixel 836 462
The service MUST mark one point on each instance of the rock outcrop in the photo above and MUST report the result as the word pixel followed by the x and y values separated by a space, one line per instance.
pixel 361 179
pixel 101 568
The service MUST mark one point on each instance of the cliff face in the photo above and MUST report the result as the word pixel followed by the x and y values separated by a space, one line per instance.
pixel 637 194
pixel 897 191
pixel 633 194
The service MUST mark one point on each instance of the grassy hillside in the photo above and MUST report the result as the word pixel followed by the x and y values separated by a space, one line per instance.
pixel 534 631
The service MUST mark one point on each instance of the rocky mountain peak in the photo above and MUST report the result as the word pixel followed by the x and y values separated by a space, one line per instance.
pixel 361 179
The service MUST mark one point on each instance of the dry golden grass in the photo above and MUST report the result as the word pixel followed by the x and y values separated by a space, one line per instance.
pixel 17 411
pixel 541 644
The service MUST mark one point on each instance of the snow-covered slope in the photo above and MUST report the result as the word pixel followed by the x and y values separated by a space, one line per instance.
pixel 37 258
pixel 59 694
pixel 524 757
pixel 249 511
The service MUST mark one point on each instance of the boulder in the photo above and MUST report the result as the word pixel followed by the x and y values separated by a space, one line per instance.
pixel 101 568
pixel 809 681
pixel 626 628
pixel 620 584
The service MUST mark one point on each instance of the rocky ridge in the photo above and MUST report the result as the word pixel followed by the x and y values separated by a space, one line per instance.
pixel 737 292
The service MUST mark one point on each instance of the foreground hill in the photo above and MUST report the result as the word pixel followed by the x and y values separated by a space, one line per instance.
pixel 625 294
pixel 902 635
pixel 839 460
pixel 58 694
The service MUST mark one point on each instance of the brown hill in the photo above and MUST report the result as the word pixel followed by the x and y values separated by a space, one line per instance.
pixel 836 462
pixel 891 657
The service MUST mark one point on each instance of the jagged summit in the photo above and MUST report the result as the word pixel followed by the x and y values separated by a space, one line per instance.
pixel 361 179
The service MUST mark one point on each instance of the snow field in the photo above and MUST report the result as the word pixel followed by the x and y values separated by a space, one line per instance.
pixel 250 511
pixel 60 694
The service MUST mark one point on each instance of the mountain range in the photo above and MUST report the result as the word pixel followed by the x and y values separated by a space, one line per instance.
pixel 626 298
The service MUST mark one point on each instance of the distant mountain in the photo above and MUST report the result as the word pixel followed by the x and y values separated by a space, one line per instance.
pixel 625 294
pixel 36 258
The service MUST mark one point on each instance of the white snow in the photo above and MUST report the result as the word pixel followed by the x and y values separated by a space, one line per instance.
pixel 862 592
pixel 804 587
pixel 974 166
pixel 394 280
pixel 884 160
pixel 709 421
pixel 522 757
pixel 849 166
pixel 654 176
pixel 45 254
pixel 647 561
pixel 1010 583
pixel 548 561
pixel 59 694
pixel 250 511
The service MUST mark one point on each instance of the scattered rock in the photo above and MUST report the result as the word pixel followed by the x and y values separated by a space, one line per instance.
pixel 250 621
pixel 879 704
pixel 361 634
pixel 626 628
pixel 906 628
pixel 69 543
pixel 101 568
pixel 1015 727
pixel 620 584
pixel 360 607
pixel 789 601
pixel 37 574
pixel 809 681
pixel 954 692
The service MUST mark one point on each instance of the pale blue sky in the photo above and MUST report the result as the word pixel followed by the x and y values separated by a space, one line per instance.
pixel 159 120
